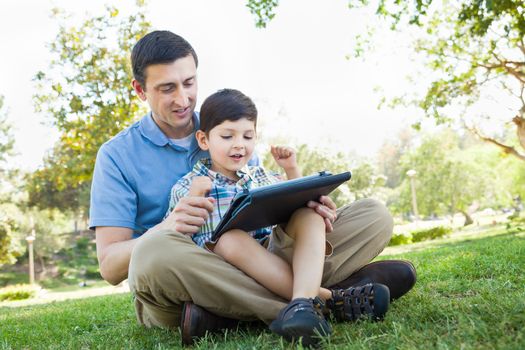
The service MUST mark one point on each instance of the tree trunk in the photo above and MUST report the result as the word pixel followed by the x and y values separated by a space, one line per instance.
pixel 468 218
pixel 42 266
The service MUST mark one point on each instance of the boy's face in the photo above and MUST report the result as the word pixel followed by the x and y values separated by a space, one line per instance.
pixel 171 92
pixel 230 144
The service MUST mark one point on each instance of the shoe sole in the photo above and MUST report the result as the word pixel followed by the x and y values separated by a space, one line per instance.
pixel 295 330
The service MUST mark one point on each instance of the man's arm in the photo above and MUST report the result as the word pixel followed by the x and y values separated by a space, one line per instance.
pixel 115 244
pixel 114 247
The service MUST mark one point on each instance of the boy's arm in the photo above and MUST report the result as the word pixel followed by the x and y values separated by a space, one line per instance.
pixel 285 157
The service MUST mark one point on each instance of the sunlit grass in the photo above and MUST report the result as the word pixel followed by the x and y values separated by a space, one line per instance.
pixel 470 294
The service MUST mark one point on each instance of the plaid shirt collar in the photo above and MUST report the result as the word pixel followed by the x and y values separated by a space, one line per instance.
pixel 203 167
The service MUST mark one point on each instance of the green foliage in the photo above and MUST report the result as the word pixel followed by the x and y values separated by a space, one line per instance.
pixel 364 183
pixel 6 254
pixel 389 156
pixel 6 138
pixel 473 49
pixel 263 10
pixel 76 262
pixel 446 181
pixel 88 97
pixel 420 235
pixel 399 239
pixel 10 249
pixel 432 233
pixel 18 292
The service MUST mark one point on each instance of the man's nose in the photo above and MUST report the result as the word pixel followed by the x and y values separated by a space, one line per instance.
pixel 181 98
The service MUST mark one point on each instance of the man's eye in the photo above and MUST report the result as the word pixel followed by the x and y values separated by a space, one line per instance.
pixel 188 82
pixel 167 89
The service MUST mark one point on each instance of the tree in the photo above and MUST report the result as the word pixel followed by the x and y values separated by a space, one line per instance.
pixel 473 47
pixel 7 225
pixel 87 96
pixel 6 139
pixel 364 182
pixel 447 180
pixel 389 155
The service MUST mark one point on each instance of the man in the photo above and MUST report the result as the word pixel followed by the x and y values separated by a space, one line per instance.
pixel 175 282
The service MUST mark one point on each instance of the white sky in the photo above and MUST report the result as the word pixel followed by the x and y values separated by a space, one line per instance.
pixel 295 70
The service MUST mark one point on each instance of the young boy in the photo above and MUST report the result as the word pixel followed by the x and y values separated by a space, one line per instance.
pixel 228 131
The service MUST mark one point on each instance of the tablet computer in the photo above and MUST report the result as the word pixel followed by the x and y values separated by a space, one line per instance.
pixel 274 204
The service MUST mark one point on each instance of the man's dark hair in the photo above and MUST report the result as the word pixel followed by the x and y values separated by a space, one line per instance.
pixel 226 104
pixel 160 46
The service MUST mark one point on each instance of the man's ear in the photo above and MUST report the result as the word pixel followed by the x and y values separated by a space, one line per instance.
pixel 138 89
pixel 202 140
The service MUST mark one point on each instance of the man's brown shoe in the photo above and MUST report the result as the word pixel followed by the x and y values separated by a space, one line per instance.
pixel 398 275
pixel 196 321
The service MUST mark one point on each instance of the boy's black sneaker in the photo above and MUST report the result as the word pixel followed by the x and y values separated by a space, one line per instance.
pixel 354 303
pixel 302 320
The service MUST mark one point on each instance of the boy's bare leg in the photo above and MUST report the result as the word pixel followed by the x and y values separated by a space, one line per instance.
pixel 245 253
pixel 242 251
pixel 307 228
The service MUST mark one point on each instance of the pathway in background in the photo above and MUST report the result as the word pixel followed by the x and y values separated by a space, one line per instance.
pixel 45 296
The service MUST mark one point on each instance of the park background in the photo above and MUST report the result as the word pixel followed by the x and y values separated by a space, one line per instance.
pixel 383 88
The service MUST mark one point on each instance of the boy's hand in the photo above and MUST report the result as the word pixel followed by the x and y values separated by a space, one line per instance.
pixel 284 157
pixel 327 209
pixel 200 186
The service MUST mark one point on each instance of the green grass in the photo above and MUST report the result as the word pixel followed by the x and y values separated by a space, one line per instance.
pixel 470 294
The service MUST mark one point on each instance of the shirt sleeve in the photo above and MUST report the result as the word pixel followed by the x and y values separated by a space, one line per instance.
pixel 113 198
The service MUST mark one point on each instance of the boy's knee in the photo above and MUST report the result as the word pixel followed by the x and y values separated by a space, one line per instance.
pixel 305 213
pixel 306 216
pixel 230 244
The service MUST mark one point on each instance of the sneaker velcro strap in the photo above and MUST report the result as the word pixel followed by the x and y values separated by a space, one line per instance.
pixel 352 303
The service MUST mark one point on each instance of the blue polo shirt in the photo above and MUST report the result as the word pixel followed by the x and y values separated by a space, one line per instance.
pixel 134 173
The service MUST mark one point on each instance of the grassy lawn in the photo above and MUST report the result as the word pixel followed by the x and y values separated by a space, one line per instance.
pixel 470 294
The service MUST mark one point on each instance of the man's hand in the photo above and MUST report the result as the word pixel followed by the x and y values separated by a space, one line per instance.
pixel 327 209
pixel 188 215
pixel 191 212
pixel 286 158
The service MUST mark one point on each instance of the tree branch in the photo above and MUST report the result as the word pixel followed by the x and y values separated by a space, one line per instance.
pixel 507 149
pixel 522 46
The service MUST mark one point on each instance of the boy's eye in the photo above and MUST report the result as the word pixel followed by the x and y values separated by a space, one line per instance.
pixel 248 137
pixel 226 137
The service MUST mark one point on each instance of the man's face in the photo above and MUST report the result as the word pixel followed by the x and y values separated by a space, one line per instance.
pixel 171 92
pixel 230 144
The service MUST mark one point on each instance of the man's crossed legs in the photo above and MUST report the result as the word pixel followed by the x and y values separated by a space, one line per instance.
pixel 169 274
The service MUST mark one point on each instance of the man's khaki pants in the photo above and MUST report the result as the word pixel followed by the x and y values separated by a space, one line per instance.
pixel 167 268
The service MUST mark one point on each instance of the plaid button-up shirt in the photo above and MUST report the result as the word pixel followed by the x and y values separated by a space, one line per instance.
pixel 223 190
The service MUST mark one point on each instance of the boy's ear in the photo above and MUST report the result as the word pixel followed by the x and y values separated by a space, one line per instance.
pixel 202 140
pixel 138 89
